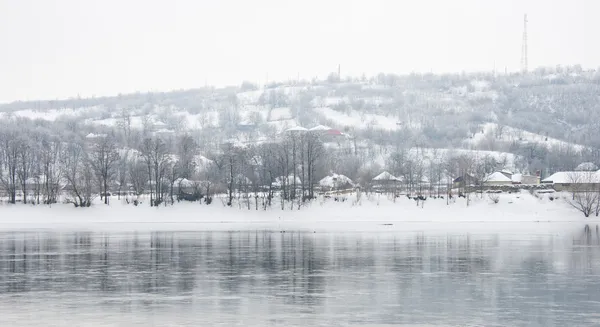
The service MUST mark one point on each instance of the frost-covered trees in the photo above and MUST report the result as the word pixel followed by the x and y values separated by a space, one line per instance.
pixel 25 163
pixel 314 153
pixel 9 161
pixel 50 168
pixel 585 193
pixel 104 158
pixel 157 159
pixel 78 174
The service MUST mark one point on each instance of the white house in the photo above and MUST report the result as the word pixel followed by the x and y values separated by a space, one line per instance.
pixel 335 182
pixel 497 178
pixel 574 180
pixel 386 182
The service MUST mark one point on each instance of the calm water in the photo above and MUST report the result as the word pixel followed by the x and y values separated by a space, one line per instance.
pixel 299 279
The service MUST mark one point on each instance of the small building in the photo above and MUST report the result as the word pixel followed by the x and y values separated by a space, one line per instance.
pixel 497 178
pixel 521 179
pixel 335 182
pixel 574 181
pixel 464 181
pixel 327 134
pixel 320 128
pixel 296 129
pixel 386 182
pixel 184 185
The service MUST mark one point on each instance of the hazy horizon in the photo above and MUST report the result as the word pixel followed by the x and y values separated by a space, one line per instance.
pixel 65 48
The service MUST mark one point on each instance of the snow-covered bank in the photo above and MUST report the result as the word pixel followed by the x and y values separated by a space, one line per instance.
pixel 374 213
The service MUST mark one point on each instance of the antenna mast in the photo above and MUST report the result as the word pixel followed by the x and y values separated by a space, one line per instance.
pixel 524 61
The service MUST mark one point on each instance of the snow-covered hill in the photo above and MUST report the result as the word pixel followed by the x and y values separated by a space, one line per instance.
pixel 493 135
pixel 474 112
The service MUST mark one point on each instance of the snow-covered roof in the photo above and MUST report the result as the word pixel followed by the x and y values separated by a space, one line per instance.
pixel 335 180
pixel 385 176
pixel 564 177
pixel 165 131
pixel 93 136
pixel 296 129
pixel 497 177
pixel 183 182
pixel 517 178
pixel 320 128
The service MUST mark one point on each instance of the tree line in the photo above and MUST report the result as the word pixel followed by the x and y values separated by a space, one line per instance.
pixel 40 164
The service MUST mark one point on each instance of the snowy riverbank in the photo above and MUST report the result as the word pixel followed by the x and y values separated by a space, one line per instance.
pixel 374 213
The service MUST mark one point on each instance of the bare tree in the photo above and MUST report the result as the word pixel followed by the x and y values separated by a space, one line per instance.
pixel 78 173
pixel 122 174
pixel 49 157
pixel 25 163
pixel 211 176
pixel 157 159
pixel 9 157
pixel 313 146
pixel 103 160
pixel 231 162
pixel 585 194
pixel 186 150
pixel 138 176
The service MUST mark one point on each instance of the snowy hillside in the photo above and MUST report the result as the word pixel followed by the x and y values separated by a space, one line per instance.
pixel 509 116
pixel 494 135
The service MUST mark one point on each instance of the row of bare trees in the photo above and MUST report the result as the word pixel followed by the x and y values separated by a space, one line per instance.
pixel 35 165
pixel 44 164
pixel 289 165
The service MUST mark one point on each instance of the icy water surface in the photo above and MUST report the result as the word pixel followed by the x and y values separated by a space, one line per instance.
pixel 299 279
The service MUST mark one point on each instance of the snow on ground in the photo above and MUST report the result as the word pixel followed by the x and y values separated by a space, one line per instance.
pixel 283 125
pixel 249 97
pixel 283 113
pixel 136 121
pixel 439 155
pixel 201 120
pixel 373 213
pixel 353 118
pixel 509 134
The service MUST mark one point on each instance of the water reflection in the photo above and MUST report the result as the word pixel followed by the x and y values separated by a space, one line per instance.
pixel 272 278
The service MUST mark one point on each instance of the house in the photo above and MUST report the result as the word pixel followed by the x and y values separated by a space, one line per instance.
pixel 386 182
pixel 320 128
pixel 184 185
pixel 520 179
pixel 497 178
pixel 335 182
pixel 463 181
pixel 296 129
pixel 506 173
pixel 327 134
pixel 574 181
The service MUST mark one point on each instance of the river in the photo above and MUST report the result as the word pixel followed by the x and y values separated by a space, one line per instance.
pixel 273 278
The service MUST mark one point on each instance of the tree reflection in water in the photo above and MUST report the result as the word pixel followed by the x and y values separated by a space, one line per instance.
pixel 295 278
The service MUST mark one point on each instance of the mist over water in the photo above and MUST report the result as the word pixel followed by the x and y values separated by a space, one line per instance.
pixel 260 278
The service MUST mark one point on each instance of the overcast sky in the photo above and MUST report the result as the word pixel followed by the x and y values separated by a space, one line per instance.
pixel 61 48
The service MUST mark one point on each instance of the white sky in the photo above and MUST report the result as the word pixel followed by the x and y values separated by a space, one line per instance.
pixel 61 48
